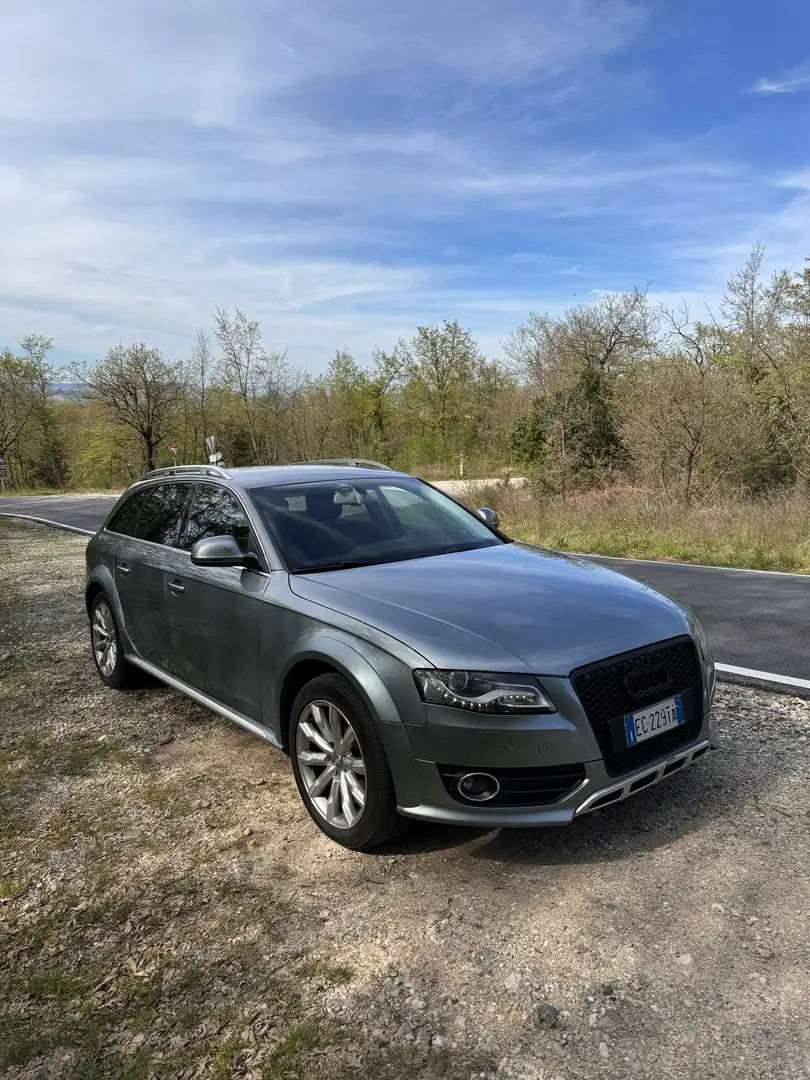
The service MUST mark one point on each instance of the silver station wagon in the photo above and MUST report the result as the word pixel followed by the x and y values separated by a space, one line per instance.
pixel 412 660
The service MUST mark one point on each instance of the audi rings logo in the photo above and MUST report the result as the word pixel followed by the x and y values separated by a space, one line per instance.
pixel 646 681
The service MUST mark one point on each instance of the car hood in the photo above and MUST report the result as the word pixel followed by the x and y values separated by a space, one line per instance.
pixel 513 607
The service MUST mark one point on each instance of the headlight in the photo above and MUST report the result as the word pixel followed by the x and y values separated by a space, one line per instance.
pixel 479 691
pixel 702 640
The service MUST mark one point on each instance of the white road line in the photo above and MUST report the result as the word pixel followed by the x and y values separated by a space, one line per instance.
pixel 691 565
pixel 764 676
pixel 46 521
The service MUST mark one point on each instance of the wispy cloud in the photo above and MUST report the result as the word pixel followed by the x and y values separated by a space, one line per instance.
pixel 789 82
pixel 342 171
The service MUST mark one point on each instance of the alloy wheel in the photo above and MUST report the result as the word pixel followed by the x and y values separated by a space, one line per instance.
pixel 331 764
pixel 105 643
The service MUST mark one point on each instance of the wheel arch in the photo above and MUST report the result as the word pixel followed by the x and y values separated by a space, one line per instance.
pixel 331 655
pixel 102 581
pixel 90 594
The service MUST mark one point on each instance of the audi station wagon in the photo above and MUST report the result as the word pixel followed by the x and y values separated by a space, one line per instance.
pixel 412 660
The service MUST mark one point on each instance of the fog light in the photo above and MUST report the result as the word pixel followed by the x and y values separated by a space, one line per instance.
pixel 478 786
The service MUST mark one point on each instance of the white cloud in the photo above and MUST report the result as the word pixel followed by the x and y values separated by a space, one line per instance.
pixel 797 78
pixel 294 159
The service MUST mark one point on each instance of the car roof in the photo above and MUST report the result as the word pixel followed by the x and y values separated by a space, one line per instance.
pixel 251 476
pixel 273 475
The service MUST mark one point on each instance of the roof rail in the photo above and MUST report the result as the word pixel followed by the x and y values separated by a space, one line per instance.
pixel 184 470
pixel 357 463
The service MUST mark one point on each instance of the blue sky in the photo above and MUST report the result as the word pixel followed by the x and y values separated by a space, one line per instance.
pixel 346 169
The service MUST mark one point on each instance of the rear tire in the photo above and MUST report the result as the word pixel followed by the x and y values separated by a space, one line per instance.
pixel 340 765
pixel 108 654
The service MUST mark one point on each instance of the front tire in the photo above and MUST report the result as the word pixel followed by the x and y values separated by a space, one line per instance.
pixel 108 654
pixel 340 765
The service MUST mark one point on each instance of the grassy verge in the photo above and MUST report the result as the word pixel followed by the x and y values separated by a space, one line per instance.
pixel 769 534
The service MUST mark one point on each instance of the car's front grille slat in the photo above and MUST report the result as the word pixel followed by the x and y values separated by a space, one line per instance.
pixel 602 689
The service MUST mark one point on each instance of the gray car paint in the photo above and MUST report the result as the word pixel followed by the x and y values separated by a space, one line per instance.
pixel 237 639
pixel 508 608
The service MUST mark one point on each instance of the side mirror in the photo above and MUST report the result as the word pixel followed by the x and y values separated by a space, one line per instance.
pixel 489 516
pixel 221 551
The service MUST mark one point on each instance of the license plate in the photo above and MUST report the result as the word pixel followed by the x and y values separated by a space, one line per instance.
pixel 654 720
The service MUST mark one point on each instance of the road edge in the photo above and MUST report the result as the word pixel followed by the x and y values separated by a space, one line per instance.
pixel 763 680
pixel 47 521
pixel 691 565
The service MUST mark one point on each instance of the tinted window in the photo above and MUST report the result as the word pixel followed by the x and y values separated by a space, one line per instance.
pixel 215 512
pixel 356 522
pixel 125 517
pixel 162 515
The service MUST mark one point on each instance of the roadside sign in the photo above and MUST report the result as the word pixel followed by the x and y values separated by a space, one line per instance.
pixel 211 445
pixel 2 465
pixel 214 459
pixel 173 451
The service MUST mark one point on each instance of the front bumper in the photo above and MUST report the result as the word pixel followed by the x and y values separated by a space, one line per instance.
pixel 557 739
pixel 595 791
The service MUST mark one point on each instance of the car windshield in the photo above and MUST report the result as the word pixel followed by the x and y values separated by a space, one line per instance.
pixel 338 524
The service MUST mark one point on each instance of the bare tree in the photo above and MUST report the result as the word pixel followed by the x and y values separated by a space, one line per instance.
pixel 240 339
pixel 137 388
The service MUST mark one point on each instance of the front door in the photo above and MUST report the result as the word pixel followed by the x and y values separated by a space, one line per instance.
pixel 216 611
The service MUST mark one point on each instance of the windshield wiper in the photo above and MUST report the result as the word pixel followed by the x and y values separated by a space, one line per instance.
pixel 315 568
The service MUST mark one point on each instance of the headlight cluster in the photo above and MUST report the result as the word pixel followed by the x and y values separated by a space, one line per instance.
pixel 479 691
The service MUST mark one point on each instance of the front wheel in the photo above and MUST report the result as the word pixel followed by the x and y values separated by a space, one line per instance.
pixel 340 766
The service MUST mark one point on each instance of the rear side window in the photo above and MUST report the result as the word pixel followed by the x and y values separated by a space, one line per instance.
pixel 216 512
pixel 162 517
pixel 125 517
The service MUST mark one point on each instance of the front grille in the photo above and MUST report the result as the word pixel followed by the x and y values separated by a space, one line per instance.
pixel 519 787
pixel 605 698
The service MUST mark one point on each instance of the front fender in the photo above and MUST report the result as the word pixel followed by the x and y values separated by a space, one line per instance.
pixel 385 684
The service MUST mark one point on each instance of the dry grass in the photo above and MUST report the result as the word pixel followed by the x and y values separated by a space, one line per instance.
pixel 767 534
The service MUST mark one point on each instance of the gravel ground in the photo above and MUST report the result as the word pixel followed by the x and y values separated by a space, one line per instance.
pixel 168 909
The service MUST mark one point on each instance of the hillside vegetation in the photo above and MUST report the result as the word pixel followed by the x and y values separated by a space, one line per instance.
pixel 642 430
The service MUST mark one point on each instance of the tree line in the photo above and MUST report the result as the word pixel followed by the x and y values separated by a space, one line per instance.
pixel 618 391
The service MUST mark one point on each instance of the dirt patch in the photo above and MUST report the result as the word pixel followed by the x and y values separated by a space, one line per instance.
pixel 168 909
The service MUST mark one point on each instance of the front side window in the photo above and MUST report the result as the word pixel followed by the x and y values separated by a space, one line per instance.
pixel 162 517
pixel 216 512
pixel 125 517
pixel 337 523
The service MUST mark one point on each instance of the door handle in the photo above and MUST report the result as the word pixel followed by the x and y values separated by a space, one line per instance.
pixel 123 569
pixel 176 587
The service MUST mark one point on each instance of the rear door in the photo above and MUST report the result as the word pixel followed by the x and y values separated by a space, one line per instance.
pixel 141 564
pixel 216 611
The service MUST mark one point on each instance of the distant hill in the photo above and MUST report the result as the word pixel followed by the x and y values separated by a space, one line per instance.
pixel 67 391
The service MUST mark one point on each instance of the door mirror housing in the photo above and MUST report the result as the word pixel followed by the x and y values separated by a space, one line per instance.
pixel 222 551
pixel 489 516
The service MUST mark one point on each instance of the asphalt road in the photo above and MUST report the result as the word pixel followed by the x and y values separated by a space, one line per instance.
pixel 753 619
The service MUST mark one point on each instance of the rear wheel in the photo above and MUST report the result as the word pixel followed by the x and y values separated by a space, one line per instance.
pixel 113 667
pixel 340 765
